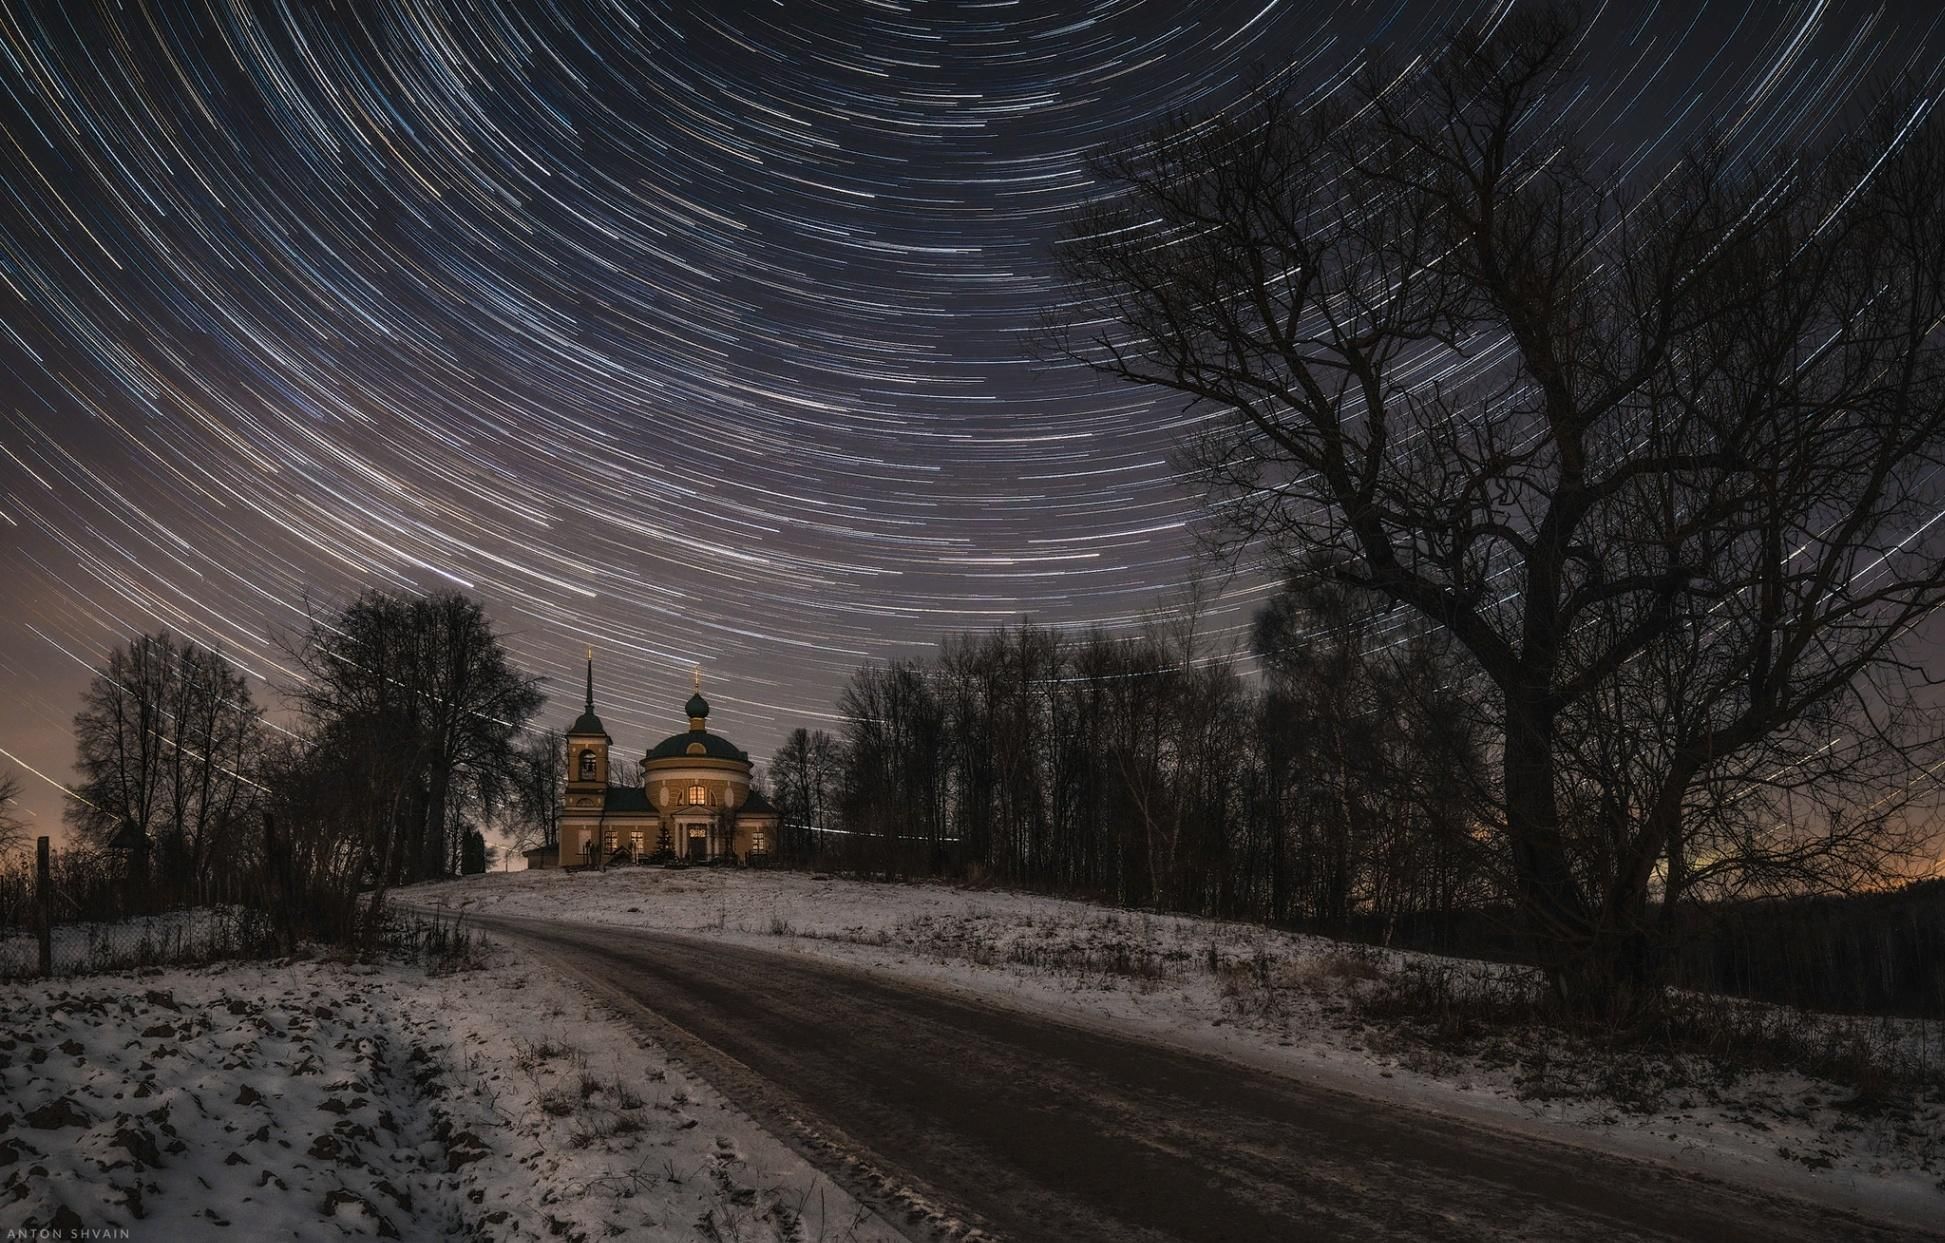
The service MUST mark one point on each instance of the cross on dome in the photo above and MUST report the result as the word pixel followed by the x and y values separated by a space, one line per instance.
pixel 697 707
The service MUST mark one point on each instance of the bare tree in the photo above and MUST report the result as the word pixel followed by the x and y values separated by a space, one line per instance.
pixel 420 690
pixel 895 736
pixel 333 799
pixel 539 789
pixel 1660 456
pixel 826 776
pixel 13 825
pixel 1376 747
pixel 166 741
pixel 624 772
pixel 808 772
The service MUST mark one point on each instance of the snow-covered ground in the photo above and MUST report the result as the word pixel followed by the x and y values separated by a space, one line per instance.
pixel 312 1100
pixel 1312 1008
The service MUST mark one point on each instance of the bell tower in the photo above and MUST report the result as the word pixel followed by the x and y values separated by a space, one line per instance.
pixel 587 750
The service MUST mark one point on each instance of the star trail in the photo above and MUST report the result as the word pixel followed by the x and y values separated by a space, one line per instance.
pixel 697 332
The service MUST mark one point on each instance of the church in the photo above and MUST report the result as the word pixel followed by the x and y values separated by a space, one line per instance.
pixel 695 801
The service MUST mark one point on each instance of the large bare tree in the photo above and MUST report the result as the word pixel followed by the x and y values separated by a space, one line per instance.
pixel 166 740
pixel 1659 453
pixel 417 694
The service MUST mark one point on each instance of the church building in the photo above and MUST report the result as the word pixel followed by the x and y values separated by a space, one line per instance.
pixel 694 803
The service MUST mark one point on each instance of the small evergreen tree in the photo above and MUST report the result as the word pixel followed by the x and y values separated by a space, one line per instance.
pixel 472 853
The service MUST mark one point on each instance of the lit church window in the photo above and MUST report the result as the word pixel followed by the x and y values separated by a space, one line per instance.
pixel 697 796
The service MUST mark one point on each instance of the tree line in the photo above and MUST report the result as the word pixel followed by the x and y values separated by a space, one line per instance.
pixel 1336 774
pixel 407 719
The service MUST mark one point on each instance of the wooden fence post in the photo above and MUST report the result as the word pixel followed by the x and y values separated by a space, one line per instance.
pixel 44 907
pixel 278 884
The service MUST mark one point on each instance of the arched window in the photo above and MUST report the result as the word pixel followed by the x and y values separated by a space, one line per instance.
pixel 697 795
pixel 587 764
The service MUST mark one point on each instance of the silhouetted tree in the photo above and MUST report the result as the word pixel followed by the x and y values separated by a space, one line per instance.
pixel 539 788
pixel 1373 750
pixel 331 807
pixel 1114 766
pixel 13 825
pixel 894 742
pixel 472 853
pixel 1659 455
pixel 808 773
pixel 166 740
pixel 419 693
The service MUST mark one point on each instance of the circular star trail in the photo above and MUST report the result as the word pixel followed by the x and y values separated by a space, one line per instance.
pixel 697 332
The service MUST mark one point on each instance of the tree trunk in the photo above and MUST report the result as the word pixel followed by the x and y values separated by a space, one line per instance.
pixel 1555 914
pixel 434 861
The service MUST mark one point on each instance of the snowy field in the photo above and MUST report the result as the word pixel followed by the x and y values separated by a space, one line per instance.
pixel 316 1100
pixel 1315 1009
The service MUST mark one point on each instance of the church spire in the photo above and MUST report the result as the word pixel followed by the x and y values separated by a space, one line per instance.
pixel 589 724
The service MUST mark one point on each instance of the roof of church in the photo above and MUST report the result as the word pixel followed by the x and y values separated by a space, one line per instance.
pixel 714 746
pixel 692 742
pixel 756 804
pixel 587 722
pixel 626 799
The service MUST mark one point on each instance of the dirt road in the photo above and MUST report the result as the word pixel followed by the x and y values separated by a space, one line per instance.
pixel 1034 1130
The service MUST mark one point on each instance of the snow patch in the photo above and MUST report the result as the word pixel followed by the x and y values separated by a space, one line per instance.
pixel 320 1100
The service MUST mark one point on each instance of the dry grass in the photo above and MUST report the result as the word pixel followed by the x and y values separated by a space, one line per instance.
pixel 1689 1046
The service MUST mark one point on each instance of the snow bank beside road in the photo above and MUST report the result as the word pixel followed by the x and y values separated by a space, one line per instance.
pixel 1292 1003
pixel 312 1100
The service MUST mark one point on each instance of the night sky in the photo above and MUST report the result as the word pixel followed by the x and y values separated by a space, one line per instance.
pixel 698 332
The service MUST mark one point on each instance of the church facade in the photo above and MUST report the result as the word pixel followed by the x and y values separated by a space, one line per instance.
pixel 695 802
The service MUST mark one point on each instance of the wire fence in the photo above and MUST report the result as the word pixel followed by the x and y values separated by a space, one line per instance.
pixel 81 910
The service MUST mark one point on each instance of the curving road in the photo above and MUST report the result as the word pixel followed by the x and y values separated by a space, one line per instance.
pixel 1031 1129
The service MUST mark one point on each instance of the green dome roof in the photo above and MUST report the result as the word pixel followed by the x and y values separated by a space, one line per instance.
pixel 696 742
pixel 714 746
pixel 586 723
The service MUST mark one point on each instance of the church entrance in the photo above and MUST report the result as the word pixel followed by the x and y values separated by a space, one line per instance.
pixel 698 843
